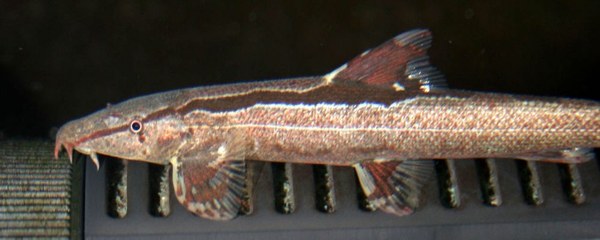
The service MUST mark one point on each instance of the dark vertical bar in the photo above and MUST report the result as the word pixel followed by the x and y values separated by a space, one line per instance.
pixel 448 183
pixel 571 182
pixel 77 196
pixel 363 202
pixel 283 187
pixel 531 186
pixel 488 181
pixel 159 189
pixel 247 204
pixel 116 187
pixel 597 153
pixel 324 188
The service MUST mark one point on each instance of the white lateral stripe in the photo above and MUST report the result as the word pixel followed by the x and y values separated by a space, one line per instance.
pixel 383 129
pixel 271 86
pixel 329 77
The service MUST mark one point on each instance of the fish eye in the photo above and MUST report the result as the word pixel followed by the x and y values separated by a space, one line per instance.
pixel 135 126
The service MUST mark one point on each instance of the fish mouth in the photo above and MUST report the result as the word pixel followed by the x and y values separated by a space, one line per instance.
pixel 69 147
pixel 69 138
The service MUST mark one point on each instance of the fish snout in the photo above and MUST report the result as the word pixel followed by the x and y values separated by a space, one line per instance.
pixel 63 139
pixel 72 136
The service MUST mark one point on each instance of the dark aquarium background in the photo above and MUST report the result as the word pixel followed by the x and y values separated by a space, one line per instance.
pixel 61 60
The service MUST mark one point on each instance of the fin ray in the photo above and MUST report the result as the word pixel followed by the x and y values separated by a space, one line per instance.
pixel 569 155
pixel 210 190
pixel 394 186
pixel 211 184
pixel 400 63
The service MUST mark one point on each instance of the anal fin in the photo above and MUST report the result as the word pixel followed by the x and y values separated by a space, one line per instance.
pixel 394 186
pixel 568 155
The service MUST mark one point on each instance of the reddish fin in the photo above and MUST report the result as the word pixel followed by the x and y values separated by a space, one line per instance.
pixel 210 190
pixel 210 181
pixel 569 155
pixel 401 63
pixel 394 186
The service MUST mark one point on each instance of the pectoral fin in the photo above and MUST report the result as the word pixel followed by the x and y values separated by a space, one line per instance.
pixel 210 190
pixel 393 186
pixel 210 184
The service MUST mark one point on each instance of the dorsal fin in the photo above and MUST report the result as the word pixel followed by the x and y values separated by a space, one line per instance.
pixel 393 186
pixel 400 63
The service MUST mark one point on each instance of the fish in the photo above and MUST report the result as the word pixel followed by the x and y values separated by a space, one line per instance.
pixel 386 113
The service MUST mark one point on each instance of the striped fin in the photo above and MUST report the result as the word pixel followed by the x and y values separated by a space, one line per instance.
pixel 393 186
pixel 208 189
pixel 401 63
pixel 211 188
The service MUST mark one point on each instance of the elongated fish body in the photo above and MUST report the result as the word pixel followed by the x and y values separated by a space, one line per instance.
pixel 382 113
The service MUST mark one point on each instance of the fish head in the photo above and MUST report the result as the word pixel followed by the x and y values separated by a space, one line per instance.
pixel 141 129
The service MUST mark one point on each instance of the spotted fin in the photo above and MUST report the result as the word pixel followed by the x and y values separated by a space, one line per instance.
pixel 400 63
pixel 393 186
pixel 569 155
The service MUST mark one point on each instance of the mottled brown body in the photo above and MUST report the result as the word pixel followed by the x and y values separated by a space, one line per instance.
pixel 383 113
